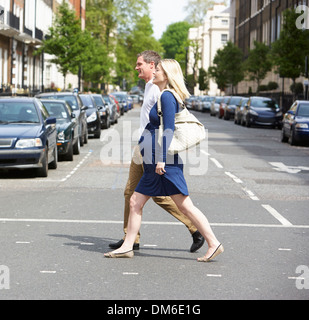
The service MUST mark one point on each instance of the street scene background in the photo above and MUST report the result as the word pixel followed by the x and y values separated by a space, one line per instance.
pixel 54 231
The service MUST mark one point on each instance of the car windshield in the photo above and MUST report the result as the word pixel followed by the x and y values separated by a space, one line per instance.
pixel 120 97
pixel 235 100
pixel 70 99
pixel 303 110
pixel 18 112
pixel 264 103
pixel 58 111
pixel 98 100
pixel 87 101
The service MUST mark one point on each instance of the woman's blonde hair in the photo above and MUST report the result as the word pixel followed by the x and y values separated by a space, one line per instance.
pixel 175 78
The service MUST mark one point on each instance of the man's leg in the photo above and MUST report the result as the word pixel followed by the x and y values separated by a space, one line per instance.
pixel 169 205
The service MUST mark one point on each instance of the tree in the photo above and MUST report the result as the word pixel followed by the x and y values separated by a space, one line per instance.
pixel 174 39
pixel 203 80
pixel 258 63
pixel 289 51
pixel 197 10
pixel 227 66
pixel 65 41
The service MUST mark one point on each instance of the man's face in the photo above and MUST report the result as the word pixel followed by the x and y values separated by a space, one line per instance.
pixel 145 70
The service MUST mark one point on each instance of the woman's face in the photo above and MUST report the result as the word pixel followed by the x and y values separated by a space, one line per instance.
pixel 159 76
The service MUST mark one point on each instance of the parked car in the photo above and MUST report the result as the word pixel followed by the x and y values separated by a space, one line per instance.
pixel 238 118
pixel 68 141
pixel 214 107
pixel 117 105
pixel 295 124
pixel 222 106
pixel 28 135
pixel 77 106
pixel 122 98
pixel 112 107
pixel 262 111
pixel 93 115
pixel 207 103
pixel 229 111
pixel 104 111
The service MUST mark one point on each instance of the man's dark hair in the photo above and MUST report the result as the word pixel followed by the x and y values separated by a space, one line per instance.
pixel 150 56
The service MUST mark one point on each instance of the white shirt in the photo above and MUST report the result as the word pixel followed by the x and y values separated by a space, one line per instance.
pixel 151 96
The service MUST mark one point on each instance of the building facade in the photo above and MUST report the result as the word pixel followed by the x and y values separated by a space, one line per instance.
pixel 209 38
pixel 259 20
pixel 23 26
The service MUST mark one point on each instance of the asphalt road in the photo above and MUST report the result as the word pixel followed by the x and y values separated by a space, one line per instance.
pixel 253 189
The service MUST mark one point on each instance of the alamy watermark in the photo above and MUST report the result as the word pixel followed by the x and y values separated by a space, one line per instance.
pixel 118 146
pixel 302 282
pixel 302 22
pixel 4 278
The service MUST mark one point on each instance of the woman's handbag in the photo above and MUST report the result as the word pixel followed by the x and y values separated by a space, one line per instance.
pixel 189 131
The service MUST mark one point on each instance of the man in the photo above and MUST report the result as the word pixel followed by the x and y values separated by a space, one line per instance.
pixel 146 64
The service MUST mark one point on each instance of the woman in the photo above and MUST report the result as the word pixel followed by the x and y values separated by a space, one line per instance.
pixel 163 173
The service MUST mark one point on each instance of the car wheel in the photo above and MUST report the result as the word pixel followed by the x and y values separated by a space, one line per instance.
pixel 86 137
pixel 284 138
pixel 69 155
pixel 97 135
pixel 54 163
pixel 76 147
pixel 292 139
pixel 248 124
pixel 43 172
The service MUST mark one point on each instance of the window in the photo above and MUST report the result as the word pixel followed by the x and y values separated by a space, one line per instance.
pixel 224 38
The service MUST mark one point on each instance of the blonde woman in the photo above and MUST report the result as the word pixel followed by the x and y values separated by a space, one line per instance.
pixel 163 173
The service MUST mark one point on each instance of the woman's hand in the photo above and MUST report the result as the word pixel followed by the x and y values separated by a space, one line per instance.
pixel 160 168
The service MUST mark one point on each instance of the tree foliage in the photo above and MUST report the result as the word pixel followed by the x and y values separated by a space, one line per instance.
pixel 64 41
pixel 227 66
pixel 289 51
pixel 258 62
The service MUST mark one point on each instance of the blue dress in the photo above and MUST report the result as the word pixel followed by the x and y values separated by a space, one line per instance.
pixel 173 181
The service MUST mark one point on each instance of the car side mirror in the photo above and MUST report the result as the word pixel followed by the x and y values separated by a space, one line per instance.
pixel 51 120
pixel 73 115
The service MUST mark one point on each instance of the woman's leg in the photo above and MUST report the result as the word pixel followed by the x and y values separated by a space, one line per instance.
pixel 137 203
pixel 185 205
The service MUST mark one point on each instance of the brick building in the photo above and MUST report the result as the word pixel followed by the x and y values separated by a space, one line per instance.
pixel 259 20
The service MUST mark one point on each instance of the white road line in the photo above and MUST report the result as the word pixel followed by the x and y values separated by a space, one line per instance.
pixel 241 225
pixel 217 163
pixel 250 194
pixel 237 180
pixel 77 167
pixel 277 215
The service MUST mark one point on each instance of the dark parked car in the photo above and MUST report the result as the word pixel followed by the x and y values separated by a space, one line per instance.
pixel 77 106
pixel 28 135
pixel 93 115
pixel 67 129
pixel 238 118
pixel 295 124
pixel 104 110
pixel 229 111
pixel 262 111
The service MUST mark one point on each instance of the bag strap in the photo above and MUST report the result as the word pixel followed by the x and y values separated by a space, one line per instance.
pixel 177 97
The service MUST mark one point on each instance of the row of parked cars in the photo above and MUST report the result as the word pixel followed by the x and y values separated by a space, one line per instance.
pixel 262 111
pixel 36 132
